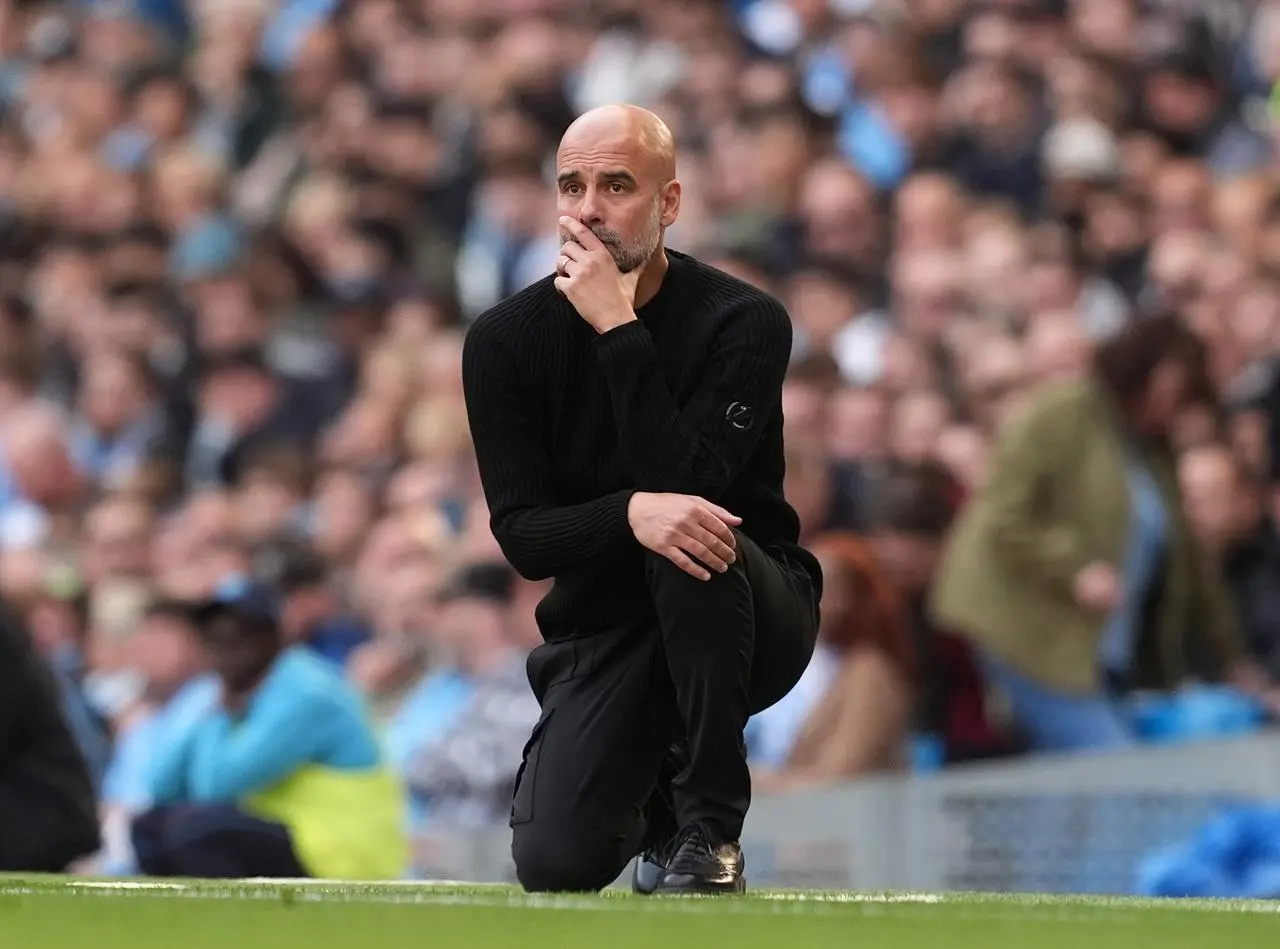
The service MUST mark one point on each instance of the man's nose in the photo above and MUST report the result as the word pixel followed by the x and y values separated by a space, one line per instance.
pixel 589 210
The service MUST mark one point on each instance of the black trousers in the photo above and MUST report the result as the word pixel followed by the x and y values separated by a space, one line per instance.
pixel 214 841
pixel 614 703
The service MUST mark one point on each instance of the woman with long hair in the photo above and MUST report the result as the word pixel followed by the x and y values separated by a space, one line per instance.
pixel 851 712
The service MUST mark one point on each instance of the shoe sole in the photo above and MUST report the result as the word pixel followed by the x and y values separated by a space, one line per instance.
pixel 737 888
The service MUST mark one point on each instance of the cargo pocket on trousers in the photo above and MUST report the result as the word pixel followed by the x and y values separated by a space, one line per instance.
pixel 527 775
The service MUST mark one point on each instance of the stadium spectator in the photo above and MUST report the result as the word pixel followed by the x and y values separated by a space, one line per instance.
pixel 912 509
pixel 1227 509
pixel 465 776
pixel 851 712
pixel 285 779
pixel 178 691
pixel 311 610
pixel 1074 571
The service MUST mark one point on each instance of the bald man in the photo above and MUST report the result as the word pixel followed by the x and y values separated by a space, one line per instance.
pixel 625 413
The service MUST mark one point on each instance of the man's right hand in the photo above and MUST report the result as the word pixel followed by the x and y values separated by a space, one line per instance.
pixel 1097 588
pixel 691 532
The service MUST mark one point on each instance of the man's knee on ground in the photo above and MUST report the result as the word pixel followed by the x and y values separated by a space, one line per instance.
pixel 563 862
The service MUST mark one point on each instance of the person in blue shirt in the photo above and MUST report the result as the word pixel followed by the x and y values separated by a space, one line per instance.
pixel 178 693
pixel 284 779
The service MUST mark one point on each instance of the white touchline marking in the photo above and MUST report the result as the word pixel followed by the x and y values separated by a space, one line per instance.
pixel 801 897
pixel 126 885
pixel 1025 907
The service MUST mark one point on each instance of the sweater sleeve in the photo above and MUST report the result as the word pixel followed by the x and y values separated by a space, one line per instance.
pixel 699 448
pixel 285 728
pixel 539 537
pixel 1026 469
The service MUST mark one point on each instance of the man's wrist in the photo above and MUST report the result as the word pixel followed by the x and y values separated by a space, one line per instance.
pixel 613 322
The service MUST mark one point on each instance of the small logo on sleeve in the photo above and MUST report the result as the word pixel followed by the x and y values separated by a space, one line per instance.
pixel 740 415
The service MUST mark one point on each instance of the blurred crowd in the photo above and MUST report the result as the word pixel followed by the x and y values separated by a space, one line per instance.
pixel 241 240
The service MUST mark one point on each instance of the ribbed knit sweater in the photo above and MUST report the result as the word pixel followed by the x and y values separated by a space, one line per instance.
pixel 568 423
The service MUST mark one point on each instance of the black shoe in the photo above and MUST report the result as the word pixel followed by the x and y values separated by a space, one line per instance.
pixel 661 827
pixel 700 865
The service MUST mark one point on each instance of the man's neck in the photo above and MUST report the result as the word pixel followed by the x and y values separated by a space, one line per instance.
pixel 655 271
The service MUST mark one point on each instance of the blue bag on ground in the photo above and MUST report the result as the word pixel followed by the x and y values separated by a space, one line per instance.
pixel 1195 714
pixel 1235 855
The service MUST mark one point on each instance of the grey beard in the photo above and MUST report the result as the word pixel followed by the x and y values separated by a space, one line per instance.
pixel 627 256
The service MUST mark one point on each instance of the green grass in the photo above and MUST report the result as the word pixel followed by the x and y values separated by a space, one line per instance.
pixel 50 913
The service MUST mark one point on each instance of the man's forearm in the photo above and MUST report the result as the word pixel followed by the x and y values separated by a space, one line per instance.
pixel 543 542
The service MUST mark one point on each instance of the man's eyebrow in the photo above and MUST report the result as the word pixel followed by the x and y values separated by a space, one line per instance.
pixel 565 177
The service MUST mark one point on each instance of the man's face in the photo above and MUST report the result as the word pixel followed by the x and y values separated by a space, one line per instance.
pixel 838 211
pixel 1179 104
pixel 167 652
pixel 113 394
pixel 118 540
pixel 909 560
pixel 457 624
pixel 858 424
pixel 610 188
pixel 1212 496
pixel 929 293
pixel 821 305
pixel 238 655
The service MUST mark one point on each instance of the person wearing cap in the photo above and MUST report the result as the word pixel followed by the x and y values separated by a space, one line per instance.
pixel 465 776
pixel 48 814
pixel 285 779
pixel 1188 104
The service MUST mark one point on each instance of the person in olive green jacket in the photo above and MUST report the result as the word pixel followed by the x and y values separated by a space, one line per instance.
pixel 1074 571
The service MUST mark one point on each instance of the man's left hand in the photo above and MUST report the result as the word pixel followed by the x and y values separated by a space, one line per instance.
pixel 587 274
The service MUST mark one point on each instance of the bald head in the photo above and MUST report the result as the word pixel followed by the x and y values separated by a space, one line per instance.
pixel 626 129
pixel 615 173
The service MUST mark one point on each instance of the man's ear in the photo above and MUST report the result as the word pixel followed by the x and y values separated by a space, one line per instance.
pixel 671 193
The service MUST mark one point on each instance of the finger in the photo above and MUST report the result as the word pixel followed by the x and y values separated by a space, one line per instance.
pixel 562 284
pixel 702 554
pixel 573 250
pixel 718 546
pixel 718 527
pixel 582 234
pixel 712 555
pixel 733 520
pixel 561 262
pixel 681 560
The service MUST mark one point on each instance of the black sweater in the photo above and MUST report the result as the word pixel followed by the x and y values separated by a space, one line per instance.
pixel 568 424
